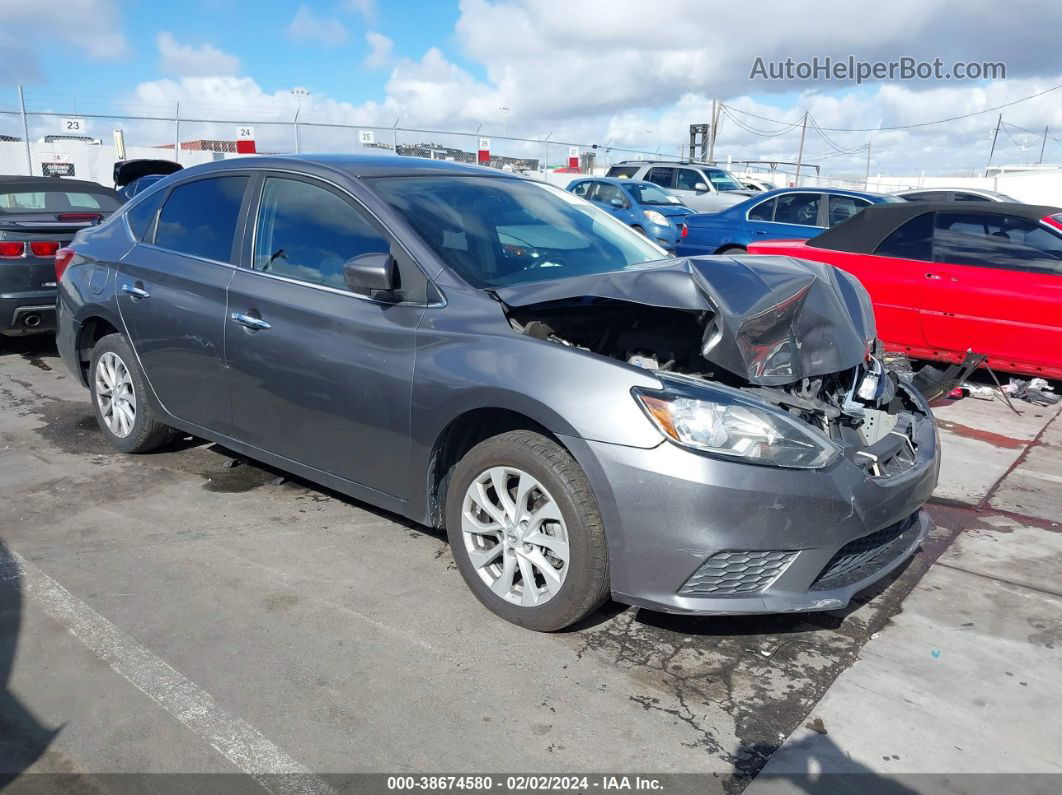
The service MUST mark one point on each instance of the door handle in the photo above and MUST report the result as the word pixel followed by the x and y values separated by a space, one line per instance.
pixel 760 232
pixel 932 275
pixel 248 321
pixel 135 292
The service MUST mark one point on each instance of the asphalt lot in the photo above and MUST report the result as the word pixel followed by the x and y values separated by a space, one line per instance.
pixel 170 613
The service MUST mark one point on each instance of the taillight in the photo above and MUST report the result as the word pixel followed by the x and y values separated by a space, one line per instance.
pixel 62 259
pixel 43 248
pixel 685 231
pixel 1054 220
pixel 79 217
pixel 12 249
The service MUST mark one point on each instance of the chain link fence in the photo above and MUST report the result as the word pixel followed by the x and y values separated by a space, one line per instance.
pixel 86 145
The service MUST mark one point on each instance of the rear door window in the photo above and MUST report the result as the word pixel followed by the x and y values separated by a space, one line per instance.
pixel 800 209
pixel 912 240
pixel 200 218
pixel 995 240
pixel 307 232
pixel 626 172
pixel 663 177
pixel 582 189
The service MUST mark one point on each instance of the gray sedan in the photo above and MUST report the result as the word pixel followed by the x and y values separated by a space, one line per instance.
pixel 491 355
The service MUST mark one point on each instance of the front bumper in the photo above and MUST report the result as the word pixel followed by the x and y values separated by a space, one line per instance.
pixel 692 534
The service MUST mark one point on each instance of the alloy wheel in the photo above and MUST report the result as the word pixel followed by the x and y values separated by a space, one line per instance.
pixel 515 536
pixel 115 394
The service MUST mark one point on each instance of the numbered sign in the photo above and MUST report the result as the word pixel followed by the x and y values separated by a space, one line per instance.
pixel 483 156
pixel 573 157
pixel 366 137
pixel 245 144
pixel 73 126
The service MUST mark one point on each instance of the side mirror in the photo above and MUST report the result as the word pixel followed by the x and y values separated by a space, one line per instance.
pixel 375 275
pixel 700 186
pixel 618 203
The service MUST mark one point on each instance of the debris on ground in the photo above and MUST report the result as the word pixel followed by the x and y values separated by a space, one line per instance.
pixel 1036 391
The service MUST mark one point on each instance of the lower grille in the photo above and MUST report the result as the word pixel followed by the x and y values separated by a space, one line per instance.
pixel 738 572
pixel 860 558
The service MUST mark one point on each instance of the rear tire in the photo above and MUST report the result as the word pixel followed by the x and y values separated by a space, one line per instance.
pixel 733 250
pixel 546 529
pixel 120 398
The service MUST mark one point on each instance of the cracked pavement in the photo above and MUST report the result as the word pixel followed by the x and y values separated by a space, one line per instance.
pixel 345 635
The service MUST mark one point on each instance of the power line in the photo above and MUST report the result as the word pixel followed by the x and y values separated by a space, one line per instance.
pixel 919 124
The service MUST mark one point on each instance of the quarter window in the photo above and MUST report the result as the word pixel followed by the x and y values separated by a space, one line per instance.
pixel 141 216
pixel 912 240
pixel 199 218
pixel 307 232
pixel 688 179
pixel 624 172
pixel 800 209
pixel 764 211
pixel 926 196
pixel 606 193
pixel 994 240
pixel 844 207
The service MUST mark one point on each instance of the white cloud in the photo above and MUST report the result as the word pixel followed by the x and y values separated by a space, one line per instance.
pixel 367 8
pixel 380 48
pixel 308 27
pixel 596 71
pixel 30 28
pixel 189 60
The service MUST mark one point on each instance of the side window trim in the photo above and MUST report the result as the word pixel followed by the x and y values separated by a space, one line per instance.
pixel 251 232
pixel 237 238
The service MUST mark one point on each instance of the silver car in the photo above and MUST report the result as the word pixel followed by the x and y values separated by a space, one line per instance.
pixel 483 353
pixel 706 189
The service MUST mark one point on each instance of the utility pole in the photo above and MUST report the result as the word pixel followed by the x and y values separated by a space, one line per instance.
pixel 866 176
pixel 25 131
pixel 1042 145
pixel 711 132
pixel 800 155
pixel 992 151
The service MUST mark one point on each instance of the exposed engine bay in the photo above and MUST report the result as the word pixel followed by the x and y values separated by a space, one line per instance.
pixel 865 408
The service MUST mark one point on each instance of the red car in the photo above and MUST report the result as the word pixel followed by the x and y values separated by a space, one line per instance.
pixel 948 277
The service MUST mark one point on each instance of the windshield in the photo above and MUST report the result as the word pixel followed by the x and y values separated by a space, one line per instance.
pixel 722 180
pixel 30 200
pixel 647 193
pixel 496 232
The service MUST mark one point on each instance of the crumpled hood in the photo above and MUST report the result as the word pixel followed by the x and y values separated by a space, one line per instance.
pixel 775 320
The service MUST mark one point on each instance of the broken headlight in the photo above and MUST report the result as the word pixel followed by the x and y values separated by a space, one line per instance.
pixel 723 423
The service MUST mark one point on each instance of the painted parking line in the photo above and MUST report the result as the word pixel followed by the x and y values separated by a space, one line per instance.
pixel 232 737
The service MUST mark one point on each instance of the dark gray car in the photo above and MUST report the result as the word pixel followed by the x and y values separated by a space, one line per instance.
pixel 492 355
pixel 38 216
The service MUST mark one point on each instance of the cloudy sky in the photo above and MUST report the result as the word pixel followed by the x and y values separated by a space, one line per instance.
pixel 588 71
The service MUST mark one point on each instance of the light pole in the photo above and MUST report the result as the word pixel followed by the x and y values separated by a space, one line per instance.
pixel 299 93
pixel 505 109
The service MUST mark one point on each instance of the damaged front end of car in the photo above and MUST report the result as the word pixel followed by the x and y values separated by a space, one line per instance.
pixel 766 360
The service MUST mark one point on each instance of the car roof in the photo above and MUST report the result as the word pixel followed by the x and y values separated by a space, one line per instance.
pixel 982 191
pixel 55 183
pixel 617 181
pixel 862 233
pixel 356 165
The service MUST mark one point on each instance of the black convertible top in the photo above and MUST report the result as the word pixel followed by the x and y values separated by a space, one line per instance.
pixel 17 181
pixel 864 231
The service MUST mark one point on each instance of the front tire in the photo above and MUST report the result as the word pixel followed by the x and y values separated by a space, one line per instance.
pixel 119 398
pixel 526 533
